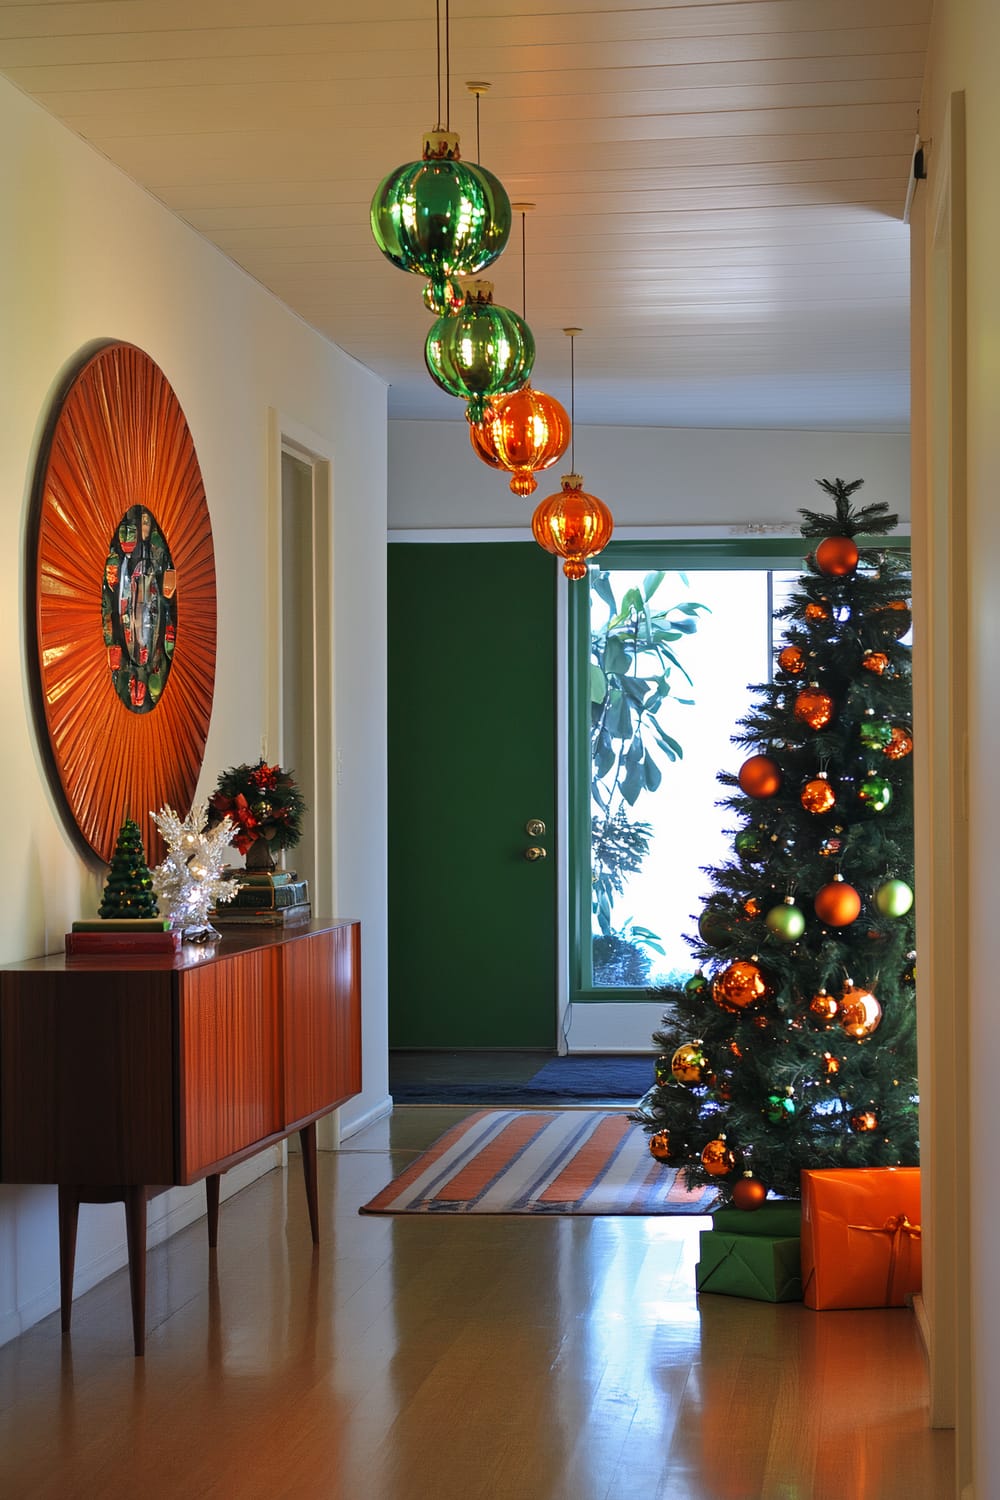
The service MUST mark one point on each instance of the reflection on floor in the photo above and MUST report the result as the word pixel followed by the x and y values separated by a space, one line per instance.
pixel 417 1358
pixel 519 1078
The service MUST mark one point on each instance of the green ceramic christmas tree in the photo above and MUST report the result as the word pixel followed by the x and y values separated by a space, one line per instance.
pixel 794 1043
pixel 128 890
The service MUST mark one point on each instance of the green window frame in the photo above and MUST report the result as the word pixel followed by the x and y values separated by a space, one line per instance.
pixel 777 554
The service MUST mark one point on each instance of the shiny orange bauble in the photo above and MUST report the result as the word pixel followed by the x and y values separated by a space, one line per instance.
pixel 689 1065
pixel 824 1007
pixel 831 1065
pixel 813 707
pixel 523 432
pixel 749 1193
pixel 860 1014
pixel 572 525
pixel 864 1121
pixel 817 612
pixel 752 906
pixel 875 661
pixel 659 1145
pixel 717 1159
pixel 760 776
pixel 792 660
pixel 837 556
pixel 740 985
pixel 900 745
pixel 817 796
pixel 837 903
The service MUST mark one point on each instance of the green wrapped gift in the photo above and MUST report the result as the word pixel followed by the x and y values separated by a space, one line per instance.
pixel 765 1268
pixel 781 1217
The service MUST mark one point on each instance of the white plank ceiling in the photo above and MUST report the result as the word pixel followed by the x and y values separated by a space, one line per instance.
pixel 719 187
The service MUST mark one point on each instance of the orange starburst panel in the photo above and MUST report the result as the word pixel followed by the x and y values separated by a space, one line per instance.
pixel 125 608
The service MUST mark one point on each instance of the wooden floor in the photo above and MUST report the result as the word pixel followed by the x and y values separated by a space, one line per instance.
pixel 418 1358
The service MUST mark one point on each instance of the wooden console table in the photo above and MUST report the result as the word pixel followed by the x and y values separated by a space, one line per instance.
pixel 123 1076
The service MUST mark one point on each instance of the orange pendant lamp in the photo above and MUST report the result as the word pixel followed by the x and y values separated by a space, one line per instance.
pixel 572 524
pixel 526 430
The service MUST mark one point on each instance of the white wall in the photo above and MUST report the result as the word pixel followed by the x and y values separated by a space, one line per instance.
pixel 84 256
pixel 650 477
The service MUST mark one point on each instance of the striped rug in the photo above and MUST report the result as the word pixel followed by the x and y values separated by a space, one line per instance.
pixel 530 1161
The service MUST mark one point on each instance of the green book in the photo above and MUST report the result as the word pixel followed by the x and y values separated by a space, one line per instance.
pixel 123 924
pixel 263 898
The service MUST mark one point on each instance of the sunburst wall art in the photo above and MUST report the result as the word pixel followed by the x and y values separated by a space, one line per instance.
pixel 125 600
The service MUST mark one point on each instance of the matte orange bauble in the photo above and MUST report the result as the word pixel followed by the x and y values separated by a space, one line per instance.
pixel 860 1013
pixel 813 707
pixel 740 985
pixel 900 745
pixel 523 432
pixel 817 612
pixel 760 776
pixel 749 1193
pixel 717 1159
pixel 817 796
pixel 837 556
pixel 792 660
pixel 659 1145
pixel 572 525
pixel 837 903
pixel 875 661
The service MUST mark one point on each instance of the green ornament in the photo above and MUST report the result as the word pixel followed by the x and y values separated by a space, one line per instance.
pixel 714 927
pixel 440 217
pixel 480 352
pixel 875 793
pixel 786 921
pixel 894 898
pixel 779 1109
pixel 748 842
pixel 875 734
pixel 696 985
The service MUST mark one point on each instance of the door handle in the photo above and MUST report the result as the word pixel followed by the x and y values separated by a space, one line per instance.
pixel 535 852
pixel 535 828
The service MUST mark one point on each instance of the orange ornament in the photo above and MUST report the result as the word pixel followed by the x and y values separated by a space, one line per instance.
pixel 875 661
pixel 740 985
pixel 659 1145
pixel 837 556
pixel 894 618
pixel 752 906
pixel 572 525
pixel 831 1065
pixel 792 660
pixel 817 612
pixel 749 1193
pixel 522 432
pixel 864 1121
pixel 860 1014
pixel 760 776
pixel 717 1159
pixel 824 1006
pixel 817 796
pixel 813 707
pixel 837 903
pixel 900 745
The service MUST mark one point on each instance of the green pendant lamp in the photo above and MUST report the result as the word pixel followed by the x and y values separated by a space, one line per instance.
pixel 441 217
pixel 479 352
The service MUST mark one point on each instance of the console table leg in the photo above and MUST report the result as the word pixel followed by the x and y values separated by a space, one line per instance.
pixel 212 1198
pixel 69 1213
pixel 308 1138
pixel 135 1230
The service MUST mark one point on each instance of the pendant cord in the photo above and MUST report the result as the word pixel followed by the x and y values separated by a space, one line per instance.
pixel 437 41
pixel 479 154
pixel 572 402
pixel 524 280
pixel 447 65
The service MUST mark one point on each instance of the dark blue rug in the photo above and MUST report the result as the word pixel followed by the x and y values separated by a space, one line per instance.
pixel 591 1076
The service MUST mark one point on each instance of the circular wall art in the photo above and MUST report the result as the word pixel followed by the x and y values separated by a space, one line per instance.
pixel 125 600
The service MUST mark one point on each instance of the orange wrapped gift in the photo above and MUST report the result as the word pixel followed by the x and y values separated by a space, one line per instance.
pixel 860 1237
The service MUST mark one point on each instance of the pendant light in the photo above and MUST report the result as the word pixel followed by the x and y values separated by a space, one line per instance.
pixel 441 217
pixel 572 524
pixel 527 430
pixel 481 351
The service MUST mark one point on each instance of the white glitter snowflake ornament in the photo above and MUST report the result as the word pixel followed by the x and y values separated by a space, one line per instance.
pixel 190 881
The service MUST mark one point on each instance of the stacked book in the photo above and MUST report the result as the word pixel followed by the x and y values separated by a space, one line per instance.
pixel 265 898
pixel 125 935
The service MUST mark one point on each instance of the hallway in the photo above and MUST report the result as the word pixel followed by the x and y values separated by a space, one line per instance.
pixel 475 1359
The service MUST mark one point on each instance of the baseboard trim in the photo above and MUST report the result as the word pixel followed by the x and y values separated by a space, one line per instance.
pixel 357 1123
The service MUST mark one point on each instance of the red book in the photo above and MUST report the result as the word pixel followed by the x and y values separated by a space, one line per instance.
pixel 79 944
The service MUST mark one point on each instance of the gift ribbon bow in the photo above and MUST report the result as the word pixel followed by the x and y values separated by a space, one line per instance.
pixel 896 1225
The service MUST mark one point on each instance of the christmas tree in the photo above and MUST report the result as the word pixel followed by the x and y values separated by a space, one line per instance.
pixel 793 1045
pixel 128 890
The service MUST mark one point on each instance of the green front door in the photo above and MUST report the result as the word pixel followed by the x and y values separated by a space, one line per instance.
pixel 472 920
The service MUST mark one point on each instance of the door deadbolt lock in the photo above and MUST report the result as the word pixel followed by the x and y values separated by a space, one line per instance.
pixel 534 828
pixel 535 852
